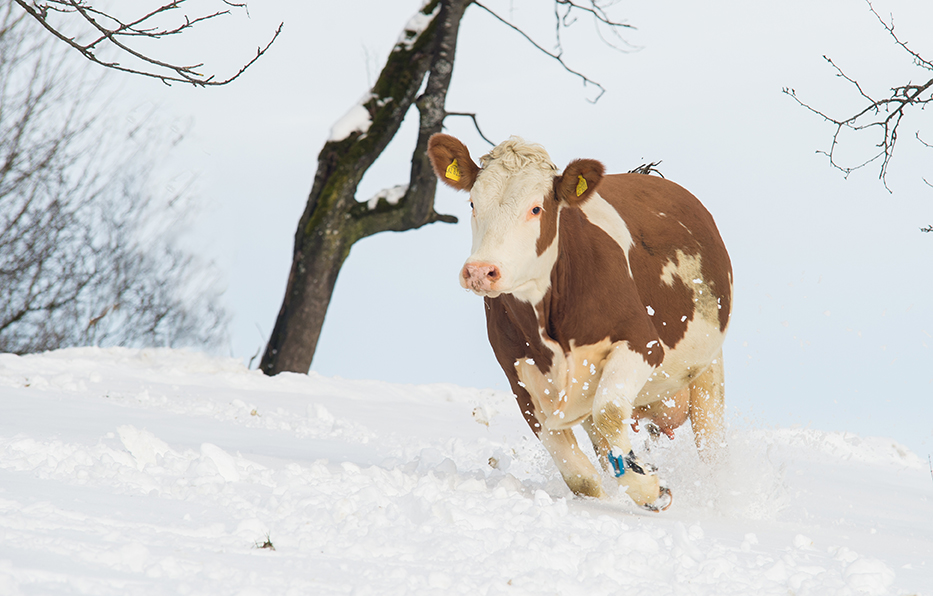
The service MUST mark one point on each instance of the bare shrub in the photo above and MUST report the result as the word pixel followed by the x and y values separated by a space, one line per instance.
pixel 88 246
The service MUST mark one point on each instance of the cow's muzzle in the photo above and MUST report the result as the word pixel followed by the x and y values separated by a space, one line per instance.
pixel 480 277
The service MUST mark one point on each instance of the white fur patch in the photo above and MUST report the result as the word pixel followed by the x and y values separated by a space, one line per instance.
pixel 702 339
pixel 604 216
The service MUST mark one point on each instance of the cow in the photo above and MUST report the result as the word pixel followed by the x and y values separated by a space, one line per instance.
pixel 607 302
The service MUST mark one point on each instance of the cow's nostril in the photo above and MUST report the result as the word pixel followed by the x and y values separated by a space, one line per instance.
pixel 480 276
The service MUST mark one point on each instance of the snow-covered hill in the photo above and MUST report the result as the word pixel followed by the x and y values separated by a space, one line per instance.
pixel 164 472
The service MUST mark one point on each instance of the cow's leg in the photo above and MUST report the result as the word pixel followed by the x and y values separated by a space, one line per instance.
pixel 624 374
pixel 600 444
pixel 576 468
pixel 707 410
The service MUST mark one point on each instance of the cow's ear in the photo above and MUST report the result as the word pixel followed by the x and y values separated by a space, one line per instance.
pixel 579 181
pixel 451 161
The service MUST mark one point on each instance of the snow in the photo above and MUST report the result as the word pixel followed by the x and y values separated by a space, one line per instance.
pixel 164 472
pixel 357 119
pixel 416 26
pixel 391 195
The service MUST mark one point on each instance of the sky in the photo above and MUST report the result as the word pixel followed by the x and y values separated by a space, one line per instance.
pixel 832 325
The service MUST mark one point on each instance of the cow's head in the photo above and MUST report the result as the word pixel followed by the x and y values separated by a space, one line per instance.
pixel 516 199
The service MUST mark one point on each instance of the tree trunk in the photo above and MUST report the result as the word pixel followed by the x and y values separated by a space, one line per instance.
pixel 333 219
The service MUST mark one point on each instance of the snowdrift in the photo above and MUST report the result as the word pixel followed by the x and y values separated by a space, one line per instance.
pixel 169 472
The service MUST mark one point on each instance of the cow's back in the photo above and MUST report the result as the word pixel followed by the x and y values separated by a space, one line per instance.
pixel 672 234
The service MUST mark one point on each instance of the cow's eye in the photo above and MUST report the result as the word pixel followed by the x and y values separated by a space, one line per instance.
pixel 536 210
pixel 471 204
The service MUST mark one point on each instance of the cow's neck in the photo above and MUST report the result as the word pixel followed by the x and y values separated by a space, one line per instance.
pixel 534 290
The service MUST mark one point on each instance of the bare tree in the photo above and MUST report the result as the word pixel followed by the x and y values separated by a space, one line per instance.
pixel 110 37
pixel 85 253
pixel 334 219
pixel 880 116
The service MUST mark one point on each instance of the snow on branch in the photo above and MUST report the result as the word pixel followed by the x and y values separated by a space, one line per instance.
pixel 357 119
pixel 390 195
pixel 416 26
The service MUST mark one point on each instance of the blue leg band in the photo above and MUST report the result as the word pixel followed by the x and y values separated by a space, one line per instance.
pixel 618 464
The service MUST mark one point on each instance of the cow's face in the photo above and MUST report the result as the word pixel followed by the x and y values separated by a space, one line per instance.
pixel 516 199
pixel 513 209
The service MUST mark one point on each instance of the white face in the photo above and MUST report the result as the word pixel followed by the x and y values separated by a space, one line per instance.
pixel 508 209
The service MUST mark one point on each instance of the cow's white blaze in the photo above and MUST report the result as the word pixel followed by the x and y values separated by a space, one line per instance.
pixel 515 178
pixel 604 216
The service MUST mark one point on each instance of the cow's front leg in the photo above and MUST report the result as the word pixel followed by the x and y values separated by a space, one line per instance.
pixel 577 470
pixel 624 374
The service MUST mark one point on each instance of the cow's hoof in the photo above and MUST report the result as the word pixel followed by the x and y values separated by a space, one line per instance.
pixel 664 500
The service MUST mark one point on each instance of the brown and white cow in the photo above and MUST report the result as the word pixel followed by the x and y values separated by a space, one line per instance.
pixel 607 301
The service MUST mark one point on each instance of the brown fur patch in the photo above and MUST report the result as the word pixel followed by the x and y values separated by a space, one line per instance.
pixel 568 184
pixel 442 151
pixel 593 295
pixel 551 209
pixel 512 327
pixel 663 218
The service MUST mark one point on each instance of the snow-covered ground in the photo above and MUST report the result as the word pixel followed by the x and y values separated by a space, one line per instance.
pixel 164 472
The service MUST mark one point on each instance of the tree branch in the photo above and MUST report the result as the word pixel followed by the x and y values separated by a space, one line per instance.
pixel 885 113
pixel 920 61
pixel 416 207
pixel 167 72
pixel 475 123
pixel 558 56
pixel 598 14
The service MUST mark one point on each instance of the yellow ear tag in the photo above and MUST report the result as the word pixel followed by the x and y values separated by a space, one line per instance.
pixel 453 171
pixel 581 185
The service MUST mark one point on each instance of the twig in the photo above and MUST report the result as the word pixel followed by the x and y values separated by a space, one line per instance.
pixel 134 29
pixel 475 123
pixel 266 544
pixel 885 113
pixel 598 14
pixel 106 311
pixel 920 61
pixel 648 168
pixel 558 56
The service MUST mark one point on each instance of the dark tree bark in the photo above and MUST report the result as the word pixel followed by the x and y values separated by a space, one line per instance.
pixel 333 219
